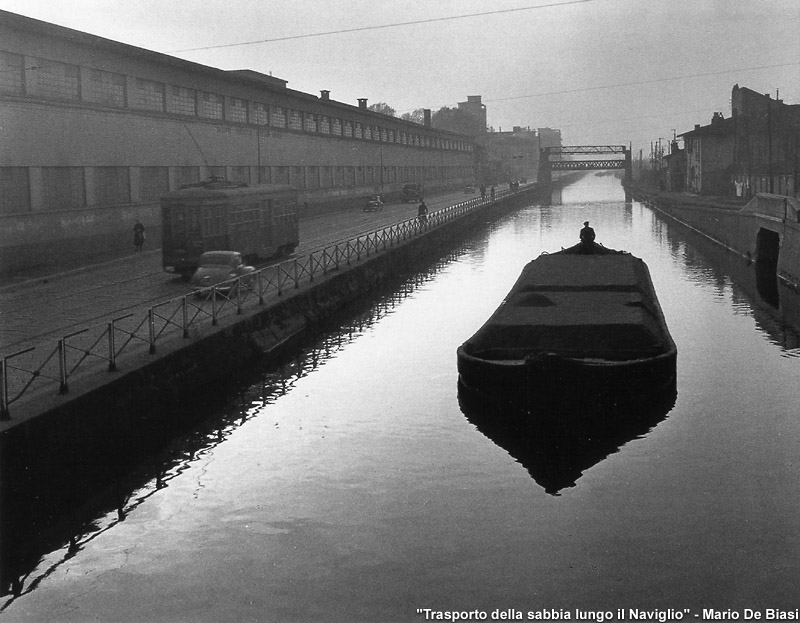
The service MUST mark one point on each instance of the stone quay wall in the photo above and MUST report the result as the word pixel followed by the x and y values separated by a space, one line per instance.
pixel 745 229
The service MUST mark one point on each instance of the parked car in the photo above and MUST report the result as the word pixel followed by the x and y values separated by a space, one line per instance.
pixel 220 268
pixel 469 189
pixel 411 192
pixel 372 204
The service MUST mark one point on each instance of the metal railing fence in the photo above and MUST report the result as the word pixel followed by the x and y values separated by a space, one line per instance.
pixel 195 314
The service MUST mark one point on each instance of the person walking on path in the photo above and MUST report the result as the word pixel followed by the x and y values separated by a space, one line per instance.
pixel 422 213
pixel 138 236
pixel 492 192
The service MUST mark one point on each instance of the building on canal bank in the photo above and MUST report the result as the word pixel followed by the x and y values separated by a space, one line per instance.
pixel 755 150
pixel 94 131
pixel 736 183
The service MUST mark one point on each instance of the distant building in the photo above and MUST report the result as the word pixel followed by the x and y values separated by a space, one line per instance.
pixel 549 137
pixel 475 109
pixel 767 133
pixel 709 157
pixel 509 156
pixel 753 151
pixel 748 103
pixel 675 169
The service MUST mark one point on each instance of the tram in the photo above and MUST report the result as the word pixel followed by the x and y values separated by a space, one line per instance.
pixel 257 221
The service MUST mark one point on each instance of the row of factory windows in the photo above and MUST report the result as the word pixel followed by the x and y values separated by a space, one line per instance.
pixel 45 189
pixel 38 77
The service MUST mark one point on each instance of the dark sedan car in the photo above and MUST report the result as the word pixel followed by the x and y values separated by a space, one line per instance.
pixel 411 192
pixel 372 204
pixel 220 268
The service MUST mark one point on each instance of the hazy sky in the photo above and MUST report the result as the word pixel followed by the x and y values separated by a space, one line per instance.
pixel 603 71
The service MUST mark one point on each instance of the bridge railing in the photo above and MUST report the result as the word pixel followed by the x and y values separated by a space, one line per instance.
pixel 99 347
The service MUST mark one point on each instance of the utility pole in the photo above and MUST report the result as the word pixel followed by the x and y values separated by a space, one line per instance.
pixel 769 141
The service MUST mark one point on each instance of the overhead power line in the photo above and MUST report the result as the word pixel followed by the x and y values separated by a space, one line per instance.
pixel 639 82
pixel 380 26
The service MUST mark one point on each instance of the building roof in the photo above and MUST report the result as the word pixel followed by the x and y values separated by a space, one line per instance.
pixel 21 23
pixel 719 126
pixel 46 29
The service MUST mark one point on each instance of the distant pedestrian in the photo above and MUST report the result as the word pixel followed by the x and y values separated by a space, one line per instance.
pixel 138 236
pixel 422 213
pixel 492 191
pixel 483 191
pixel 587 235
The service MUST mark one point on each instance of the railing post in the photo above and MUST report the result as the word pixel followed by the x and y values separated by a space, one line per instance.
pixel 63 388
pixel 185 315
pixel 112 355
pixel 151 321
pixel 214 305
pixel 4 413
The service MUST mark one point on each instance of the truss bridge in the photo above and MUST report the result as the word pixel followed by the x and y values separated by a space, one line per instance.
pixel 586 165
pixel 583 158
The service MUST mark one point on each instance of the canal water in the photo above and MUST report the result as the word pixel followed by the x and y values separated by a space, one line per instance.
pixel 351 484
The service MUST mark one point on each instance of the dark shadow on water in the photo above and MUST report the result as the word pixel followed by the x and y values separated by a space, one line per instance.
pixel 767 283
pixel 558 448
pixel 52 507
pixel 775 307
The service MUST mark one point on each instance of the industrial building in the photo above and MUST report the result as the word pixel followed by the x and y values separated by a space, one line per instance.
pixel 93 132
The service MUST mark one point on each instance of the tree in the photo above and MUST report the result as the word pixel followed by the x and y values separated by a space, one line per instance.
pixel 456 120
pixel 415 116
pixel 383 108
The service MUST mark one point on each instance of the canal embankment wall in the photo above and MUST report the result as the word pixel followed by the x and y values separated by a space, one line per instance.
pixel 767 227
pixel 132 414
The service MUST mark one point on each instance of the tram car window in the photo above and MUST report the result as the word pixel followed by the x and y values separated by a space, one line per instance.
pixel 257 221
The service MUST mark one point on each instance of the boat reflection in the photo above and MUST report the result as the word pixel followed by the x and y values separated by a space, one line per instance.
pixel 558 451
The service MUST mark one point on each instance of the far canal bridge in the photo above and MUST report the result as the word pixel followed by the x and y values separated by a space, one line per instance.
pixel 583 158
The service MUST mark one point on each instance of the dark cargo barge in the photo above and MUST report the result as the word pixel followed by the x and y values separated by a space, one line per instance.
pixel 578 330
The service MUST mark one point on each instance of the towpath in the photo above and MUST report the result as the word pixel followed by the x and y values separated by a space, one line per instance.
pixel 55 304
pixel 36 313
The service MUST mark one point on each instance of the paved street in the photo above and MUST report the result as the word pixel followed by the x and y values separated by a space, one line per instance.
pixel 78 305
pixel 49 307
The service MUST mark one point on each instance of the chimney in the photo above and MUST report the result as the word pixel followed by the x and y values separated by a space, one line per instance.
pixel 325 95
pixel 362 103
pixel 426 112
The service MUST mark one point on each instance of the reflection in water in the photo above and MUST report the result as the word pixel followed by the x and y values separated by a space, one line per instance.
pixel 753 285
pixel 38 537
pixel 557 450
pixel 767 282
pixel 364 476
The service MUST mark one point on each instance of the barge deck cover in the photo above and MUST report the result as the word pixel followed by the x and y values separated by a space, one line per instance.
pixel 576 306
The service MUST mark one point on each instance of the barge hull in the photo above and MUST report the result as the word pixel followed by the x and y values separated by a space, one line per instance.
pixel 575 331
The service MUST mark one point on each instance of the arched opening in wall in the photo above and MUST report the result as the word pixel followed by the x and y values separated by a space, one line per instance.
pixel 767 250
